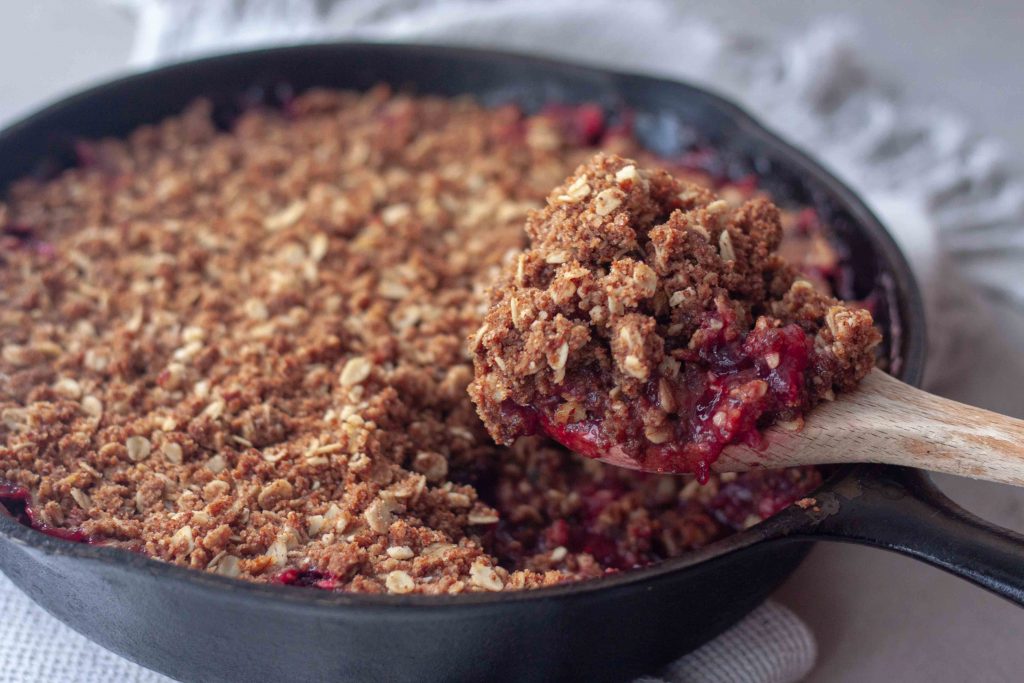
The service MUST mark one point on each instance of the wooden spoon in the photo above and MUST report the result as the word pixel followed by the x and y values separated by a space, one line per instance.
pixel 887 421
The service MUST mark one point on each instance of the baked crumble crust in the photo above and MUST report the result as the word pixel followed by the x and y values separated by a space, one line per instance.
pixel 651 316
pixel 244 352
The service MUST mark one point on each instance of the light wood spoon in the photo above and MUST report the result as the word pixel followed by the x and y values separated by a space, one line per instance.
pixel 887 421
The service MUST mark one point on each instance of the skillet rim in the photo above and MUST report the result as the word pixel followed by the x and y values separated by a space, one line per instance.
pixel 910 320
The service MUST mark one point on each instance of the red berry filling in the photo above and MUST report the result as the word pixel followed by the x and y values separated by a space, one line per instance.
pixel 18 503
pixel 725 393
pixel 306 578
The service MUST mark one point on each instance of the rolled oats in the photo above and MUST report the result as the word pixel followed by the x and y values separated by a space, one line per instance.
pixel 68 388
pixel 356 370
pixel 399 582
pixel 92 406
pixel 400 552
pixel 606 201
pixel 173 452
pixel 485 577
pixel 138 448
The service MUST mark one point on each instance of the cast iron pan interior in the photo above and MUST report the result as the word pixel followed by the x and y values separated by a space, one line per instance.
pixel 195 626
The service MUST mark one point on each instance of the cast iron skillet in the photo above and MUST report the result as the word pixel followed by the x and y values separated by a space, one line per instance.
pixel 196 626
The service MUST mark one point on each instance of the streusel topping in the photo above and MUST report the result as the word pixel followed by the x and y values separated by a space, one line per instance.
pixel 244 352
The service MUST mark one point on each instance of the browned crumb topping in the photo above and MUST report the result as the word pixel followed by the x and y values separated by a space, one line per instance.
pixel 245 352
pixel 632 281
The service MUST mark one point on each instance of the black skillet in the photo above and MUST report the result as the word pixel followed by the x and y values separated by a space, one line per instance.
pixel 200 627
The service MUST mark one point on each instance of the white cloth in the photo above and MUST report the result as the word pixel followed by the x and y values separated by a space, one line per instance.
pixel 945 194
pixel 36 648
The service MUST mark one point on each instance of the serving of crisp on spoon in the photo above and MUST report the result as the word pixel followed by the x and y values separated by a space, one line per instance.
pixel 652 325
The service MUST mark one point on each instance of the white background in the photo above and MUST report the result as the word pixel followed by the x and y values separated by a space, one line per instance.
pixel 877 616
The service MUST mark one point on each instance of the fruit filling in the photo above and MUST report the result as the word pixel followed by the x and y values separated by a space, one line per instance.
pixel 650 322
pixel 16 501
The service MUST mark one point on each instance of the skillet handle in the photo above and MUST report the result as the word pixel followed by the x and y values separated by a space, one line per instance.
pixel 899 509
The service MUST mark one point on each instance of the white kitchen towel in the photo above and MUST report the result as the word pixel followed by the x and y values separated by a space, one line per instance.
pixel 945 193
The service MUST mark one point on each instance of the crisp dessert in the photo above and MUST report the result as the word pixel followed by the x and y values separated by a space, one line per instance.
pixel 242 349
pixel 650 318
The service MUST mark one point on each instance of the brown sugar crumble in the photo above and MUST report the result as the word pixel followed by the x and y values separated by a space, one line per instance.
pixel 651 319
pixel 244 352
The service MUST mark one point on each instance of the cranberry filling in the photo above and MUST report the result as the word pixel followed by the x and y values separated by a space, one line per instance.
pixel 725 392
pixel 18 503
pixel 306 578
pixel 585 535
pixel 16 236
pixel 616 547
pixel 583 124
pixel 760 497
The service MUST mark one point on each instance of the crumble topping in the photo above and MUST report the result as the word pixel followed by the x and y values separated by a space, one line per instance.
pixel 244 352
pixel 651 317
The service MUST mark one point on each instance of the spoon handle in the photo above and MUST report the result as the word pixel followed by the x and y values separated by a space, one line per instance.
pixel 887 421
